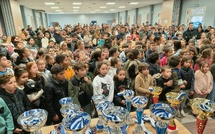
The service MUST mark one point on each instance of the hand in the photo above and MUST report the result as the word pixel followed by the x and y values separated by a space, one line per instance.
pixel 169 83
pixel 182 86
pixel 55 118
pixel 185 82
pixel 191 92
pixel 147 95
pixel 204 92
pixel 123 102
pixel 81 109
pixel 86 79
pixel 17 131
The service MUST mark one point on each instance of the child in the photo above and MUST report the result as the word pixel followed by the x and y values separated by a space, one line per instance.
pixel 41 65
pixel 167 51
pixel 41 54
pixel 102 40
pixel 6 118
pixel 89 74
pixel 113 52
pixel 64 61
pixel 151 49
pixel 23 57
pixel 120 84
pixel 114 64
pixel 211 96
pixel 51 51
pixel 187 75
pixel 15 99
pixel 84 84
pixel 103 83
pixel 122 55
pixel 50 62
pixel 21 75
pixel 154 64
pixel 203 81
pixel 143 80
pixel 4 65
pixel 165 82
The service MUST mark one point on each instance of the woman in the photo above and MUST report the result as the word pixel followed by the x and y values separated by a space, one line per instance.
pixel 64 49
pixel 47 37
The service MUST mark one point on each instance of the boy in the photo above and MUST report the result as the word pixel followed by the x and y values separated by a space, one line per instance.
pixel 122 55
pixel 154 64
pixel 56 89
pixel 165 82
pixel 64 61
pixel 84 85
pixel 16 99
pixel 6 119
pixel 5 65
pixel 151 49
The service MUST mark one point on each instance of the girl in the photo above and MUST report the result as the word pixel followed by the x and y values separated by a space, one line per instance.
pixel 187 75
pixel 15 99
pixel 206 56
pixel 167 52
pixel 21 75
pixel 183 44
pixel 50 62
pixel 34 92
pixel 211 96
pixel 134 35
pixel 47 37
pixel 41 55
pixel 102 39
pixel 23 57
pixel 32 47
pixel 177 48
pixel 80 47
pixel 120 84
pixel 114 64
pixel 203 81
pixel 51 52
pixel 41 64
pixel 103 83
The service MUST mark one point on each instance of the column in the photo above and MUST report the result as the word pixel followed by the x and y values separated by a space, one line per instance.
pixel 176 11
pixel 35 18
pixel 23 15
pixel 166 13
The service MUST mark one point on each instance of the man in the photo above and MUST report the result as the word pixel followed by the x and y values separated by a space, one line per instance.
pixel 57 36
pixel 38 39
pixel 56 89
pixel 121 34
pixel 187 35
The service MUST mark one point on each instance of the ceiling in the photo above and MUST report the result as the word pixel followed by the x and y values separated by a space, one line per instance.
pixel 86 6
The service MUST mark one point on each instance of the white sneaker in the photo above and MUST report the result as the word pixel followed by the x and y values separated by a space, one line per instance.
pixel 183 113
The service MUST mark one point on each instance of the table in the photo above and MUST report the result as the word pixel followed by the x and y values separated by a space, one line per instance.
pixel 181 128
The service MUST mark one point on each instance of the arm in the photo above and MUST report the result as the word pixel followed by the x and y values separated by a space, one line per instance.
pixel 73 92
pixel 111 92
pixel 197 80
pixel 210 83
pixel 97 86
pixel 193 80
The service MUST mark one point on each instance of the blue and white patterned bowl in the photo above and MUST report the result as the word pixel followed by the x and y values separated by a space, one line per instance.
pixel 102 105
pixel 65 101
pixel 77 123
pixel 69 109
pixel 33 120
pixel 127 94
pixel 116 115
pixel 164 111
pixel 139 101
pixel 98 98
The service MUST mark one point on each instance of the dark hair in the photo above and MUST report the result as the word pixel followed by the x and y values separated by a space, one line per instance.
pixel 114 61
pixel 184 59
pixel 79 65
pixel 59 58
pixel 21 51
pixel 153 57
pixel 117 71
pixel 174 61
pixel 139 43
pixel 2 55
pixel 99 65
pixel 164 68
pixel 96 55
pixel 142 66
pixel 157 38
pixel 57 68
pixel 133 55
pixel 201 64
pixel 18 71
pixel 206 53
pixel 51 41
pixel 74 34
pixel 112 51
pixel 166 49
pixel 177 45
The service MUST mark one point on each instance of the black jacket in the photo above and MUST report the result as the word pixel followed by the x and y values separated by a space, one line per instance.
pixel 19 61
pixel 188 75
pixel 58 38
pixel 54 91
pixel 153 69
pixel 187 35
pixel 18 103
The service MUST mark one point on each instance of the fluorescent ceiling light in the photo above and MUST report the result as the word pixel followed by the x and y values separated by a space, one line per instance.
pixel 49 3
pixel 54 7
pixel 102 7
pixel 76 7
pixel 93 12
pixel 97 10
pixel 112 9
pixel 76 3
pixel 133 3
pixel 75 10
pixel 58 10
pixel 106 12
pixel 110 3
pixel 121 6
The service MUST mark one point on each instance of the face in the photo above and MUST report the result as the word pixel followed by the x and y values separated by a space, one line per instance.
pixel 167 73
pixel 60 76
pixel 41 66
pixel 34 69
pixel 103 69
pixel 27 52
pixel 4 62
pixel 23 78
pixel 169 53
pixel 31 41
pixel 64 46
pixel 81 45
pixel 10 86
pixel 121 75
pixel 103 56
pixel 205 68
pixel 187 63
pixel 47 35
pixel 66 62
pixel 191 26
pixel 20 45
pixel 68 40
pixel 145 71
pixel 152 47
pixel 51 61
pixel 203 35
pixel 51 51
pixel 81 72
pixel 75 38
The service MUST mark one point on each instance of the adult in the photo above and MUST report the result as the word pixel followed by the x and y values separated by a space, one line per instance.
pixel 47 37
pixel 121 34
pixel 189 33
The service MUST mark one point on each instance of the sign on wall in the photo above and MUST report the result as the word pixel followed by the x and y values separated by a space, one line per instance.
pixel 195 15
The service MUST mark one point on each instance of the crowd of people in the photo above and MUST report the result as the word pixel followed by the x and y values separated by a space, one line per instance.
pixel 39 67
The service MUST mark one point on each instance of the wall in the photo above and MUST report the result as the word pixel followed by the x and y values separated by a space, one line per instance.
pixel 132 15
pixel 122 17
pixel 29 17
pixel 166 13
pixel 143 13
pixel 77 18
pixel 209 17
pixel 157 10
pixel 17 18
